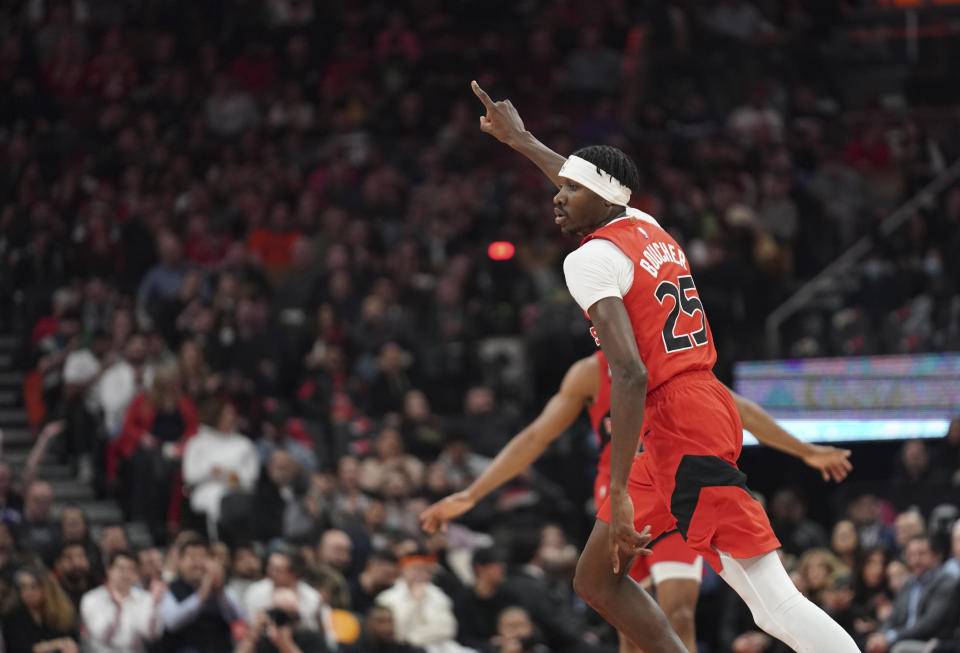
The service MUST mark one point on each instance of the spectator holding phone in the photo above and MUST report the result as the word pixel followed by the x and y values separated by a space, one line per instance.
pixel 279 629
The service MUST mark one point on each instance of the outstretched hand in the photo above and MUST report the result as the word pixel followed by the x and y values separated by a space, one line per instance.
pixel 833 463
pixel 436 516
pixel 625 541
pixel 502 121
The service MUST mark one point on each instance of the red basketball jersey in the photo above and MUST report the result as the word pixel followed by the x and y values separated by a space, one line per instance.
pixel 599 412
pixel 669 323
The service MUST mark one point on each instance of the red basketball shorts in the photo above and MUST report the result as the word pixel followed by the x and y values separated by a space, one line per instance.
pixel 671 557
pixel 692 438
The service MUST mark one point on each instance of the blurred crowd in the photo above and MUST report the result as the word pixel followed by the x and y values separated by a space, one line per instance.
pixel 244 246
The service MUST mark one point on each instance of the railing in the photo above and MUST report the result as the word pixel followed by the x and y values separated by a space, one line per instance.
pixel 852 255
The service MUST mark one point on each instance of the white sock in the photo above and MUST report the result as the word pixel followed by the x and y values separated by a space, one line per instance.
pixel 780 609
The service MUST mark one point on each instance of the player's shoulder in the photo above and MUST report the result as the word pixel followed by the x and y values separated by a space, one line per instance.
pixel 582 376
pixel 643 217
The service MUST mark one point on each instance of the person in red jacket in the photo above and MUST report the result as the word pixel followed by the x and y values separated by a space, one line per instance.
pixel 157 424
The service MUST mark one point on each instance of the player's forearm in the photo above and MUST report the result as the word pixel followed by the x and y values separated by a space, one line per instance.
pixel 520 453
pixel 767 431
pixel 627 394
pixel 542 156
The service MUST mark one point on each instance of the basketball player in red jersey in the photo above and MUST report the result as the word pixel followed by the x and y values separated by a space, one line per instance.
pixel 673 568
pixel 634 283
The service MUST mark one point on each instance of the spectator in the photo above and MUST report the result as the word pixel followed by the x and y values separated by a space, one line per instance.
pixel 44 618
pixel 275 436
pixel 163 280
pixel 548 602
pixel 11 505
pixel 73 570
pixel 422 613
pixel 952 564
pixel 198 609
pixel 157 425
pixel 515 634
pixel 82 372
pixel 220 467
pixel 422 429
pixel 478 607
pixel 908 525
pixel 277 498
pixel 788 515
pixel 924 608
pixel 864 512
pixel 150 566
pixel 349 501
pixel 379 634
pixel 844 543
pixel 119 617
pixel 284 571
pixel 388 455
pixel 379 574
pixel 817 573
pixel 485 424
pixel 280 628
pixel 872 598
pixel 392 380
pixel 332 566
pixel 38 532
pixel 246 569
pixel 915 475
pixel 75 529
pixel 113 538
pixel 593 68
pixel 122 382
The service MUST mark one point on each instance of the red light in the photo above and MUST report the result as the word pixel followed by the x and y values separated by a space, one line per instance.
pixel 501 250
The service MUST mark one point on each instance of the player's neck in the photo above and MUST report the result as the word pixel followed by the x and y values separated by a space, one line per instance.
pixel 615 213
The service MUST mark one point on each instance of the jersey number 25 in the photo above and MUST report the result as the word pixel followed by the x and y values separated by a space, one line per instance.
pixel 689 304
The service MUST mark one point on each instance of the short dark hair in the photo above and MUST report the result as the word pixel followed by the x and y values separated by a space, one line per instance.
pixel 488 555
pixel 614 162
pixel 193 541
pixel 69 544
pixel 120 553
pixel 382 556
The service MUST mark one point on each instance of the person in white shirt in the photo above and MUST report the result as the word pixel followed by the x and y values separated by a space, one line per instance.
pixel 82 372
pixel 422 613
pixel 119 617
pixel 218 462
pixel 120 383
pixel 284 571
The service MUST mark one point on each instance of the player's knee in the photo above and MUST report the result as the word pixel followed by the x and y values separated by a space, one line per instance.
pixel 591 587
pixel 682 619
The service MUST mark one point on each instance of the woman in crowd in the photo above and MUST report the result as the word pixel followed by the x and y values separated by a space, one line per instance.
pixel 817 570
pixel 43 621
pixel 871 596
pixel 845 543
pixel 157 424
pixel 221 468
pixel 389 455
pixel 198 382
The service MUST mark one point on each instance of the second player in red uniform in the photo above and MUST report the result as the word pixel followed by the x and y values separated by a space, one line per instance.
pixel 673 568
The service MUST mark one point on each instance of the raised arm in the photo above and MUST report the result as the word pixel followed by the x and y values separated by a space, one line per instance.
pixel 628 391
pixel 833 463
pixel 579 386
pixel 503 122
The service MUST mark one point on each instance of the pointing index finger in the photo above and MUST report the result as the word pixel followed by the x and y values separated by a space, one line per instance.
pixel 481 94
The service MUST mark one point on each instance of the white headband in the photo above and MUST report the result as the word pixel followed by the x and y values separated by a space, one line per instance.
pixel 602 183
